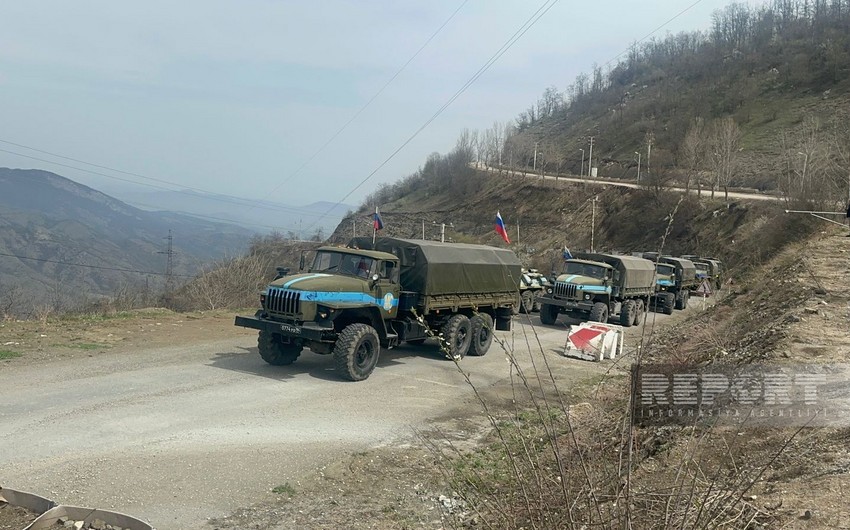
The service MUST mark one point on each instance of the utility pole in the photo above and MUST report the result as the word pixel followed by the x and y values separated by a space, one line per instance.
pixel 354 227
pixel 638 154
pixel 517 230
pixel 648 152
pixel 590 158
pixel 582 162
pixel 423 229
pixel 169 266
pixel 593 222
pixel 534 168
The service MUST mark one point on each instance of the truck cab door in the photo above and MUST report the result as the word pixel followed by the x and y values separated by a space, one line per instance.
pixel 386 288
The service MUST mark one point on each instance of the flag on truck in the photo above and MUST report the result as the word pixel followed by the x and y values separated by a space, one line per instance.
pixel 377 222
pixel 500 228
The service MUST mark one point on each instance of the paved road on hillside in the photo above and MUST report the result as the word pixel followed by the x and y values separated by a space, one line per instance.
pixel 180 434
pixel 634 185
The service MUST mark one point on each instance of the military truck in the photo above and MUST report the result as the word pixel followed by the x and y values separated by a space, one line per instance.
pixel 674 278
pixel 531 287
pixel 598 286
pixel 354 300
pixel 708 268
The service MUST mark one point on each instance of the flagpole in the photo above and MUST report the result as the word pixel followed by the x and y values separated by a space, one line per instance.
pixel 374 227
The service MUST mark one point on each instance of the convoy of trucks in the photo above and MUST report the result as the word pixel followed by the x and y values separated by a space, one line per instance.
pixel 377 293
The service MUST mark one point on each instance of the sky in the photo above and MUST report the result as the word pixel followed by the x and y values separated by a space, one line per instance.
pixel 237 98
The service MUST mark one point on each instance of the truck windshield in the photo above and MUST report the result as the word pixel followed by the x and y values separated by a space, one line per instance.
pixel 342 263
pixel 585 269
pixel 666 270
pixel 701 267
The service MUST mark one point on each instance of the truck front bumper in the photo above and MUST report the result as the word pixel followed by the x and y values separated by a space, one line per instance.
pixel 307 331
pixel 568 304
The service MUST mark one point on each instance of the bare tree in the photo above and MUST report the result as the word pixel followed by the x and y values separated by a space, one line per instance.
pixel 725 152
pixel 692 154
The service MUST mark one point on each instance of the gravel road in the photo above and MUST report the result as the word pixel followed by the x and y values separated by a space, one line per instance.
pixel 176 435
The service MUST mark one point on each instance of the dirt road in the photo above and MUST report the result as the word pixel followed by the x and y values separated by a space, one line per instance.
pixel 181 430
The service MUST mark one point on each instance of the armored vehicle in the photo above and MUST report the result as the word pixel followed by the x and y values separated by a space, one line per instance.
pixel 674 278
pixel 598 286
pixel 355 300
pixel 531 287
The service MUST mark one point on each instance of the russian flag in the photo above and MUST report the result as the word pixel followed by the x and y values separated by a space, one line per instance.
pixel 500 228
pixel 377 222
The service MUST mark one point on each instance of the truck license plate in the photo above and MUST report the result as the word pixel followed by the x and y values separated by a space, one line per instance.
pixel 292 330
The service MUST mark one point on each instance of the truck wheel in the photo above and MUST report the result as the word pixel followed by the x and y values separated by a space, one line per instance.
pixel 482 334
pixel 457 336
pixel 627 313
pixel 548 314
pixel 274 352
pixel 356 351
pixel 669 302
pixel 640 308
pixel 536 306
pixel 526 302
pixel 599 313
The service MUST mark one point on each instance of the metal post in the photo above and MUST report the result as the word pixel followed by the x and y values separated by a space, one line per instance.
pixel 582 162
pixel 423 229
pixel 593 223
pixel 534 167
pixel 354 227
pixel 442 232
pixel 638 154
pixel 590 158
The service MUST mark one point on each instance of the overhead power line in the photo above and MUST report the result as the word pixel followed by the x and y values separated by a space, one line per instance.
pixel 372 99
pixel 537 15
pixel 99 267
pixel 209 195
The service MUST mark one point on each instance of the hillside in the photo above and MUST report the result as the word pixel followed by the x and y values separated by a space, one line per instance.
pixel 50 222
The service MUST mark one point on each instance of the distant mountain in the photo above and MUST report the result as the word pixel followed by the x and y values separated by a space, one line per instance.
pixel 301 222
pixel 59 238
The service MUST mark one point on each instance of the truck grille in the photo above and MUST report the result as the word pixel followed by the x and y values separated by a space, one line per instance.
pixel 565 290
pixel 283 301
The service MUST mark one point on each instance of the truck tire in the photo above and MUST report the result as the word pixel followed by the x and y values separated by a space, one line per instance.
pixel 356 351
pixel 640 309
pixel 482 334
pixel 599 313
pixel 628 312
pixel 548 314
pixel 680 300
pixel 526 302
pixel 536 306
pixel 274 352
pixel 456 336
pixel 669 303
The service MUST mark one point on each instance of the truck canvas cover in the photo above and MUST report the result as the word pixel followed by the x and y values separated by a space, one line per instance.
pixel 684 267
pixel 635 272
pixel 433 268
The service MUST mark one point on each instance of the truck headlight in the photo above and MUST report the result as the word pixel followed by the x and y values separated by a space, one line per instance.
pixel 549 290
pixel 587 297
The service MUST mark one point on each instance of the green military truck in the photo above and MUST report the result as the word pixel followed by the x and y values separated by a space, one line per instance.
pixel 710 269
pixel 598 286
pixel 674 278
pixel 355 300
